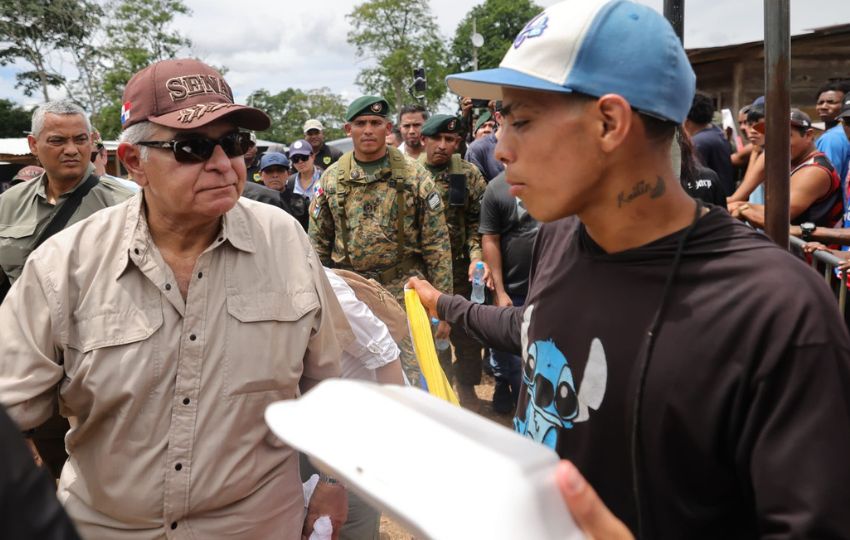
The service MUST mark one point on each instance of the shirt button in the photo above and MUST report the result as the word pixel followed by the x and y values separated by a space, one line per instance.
pixel 136 251
pixel 192 337
pixel 173 525
pixel 221 239
pixel 178 467
pixel 185 401
pixel 168 286
pixel 200 275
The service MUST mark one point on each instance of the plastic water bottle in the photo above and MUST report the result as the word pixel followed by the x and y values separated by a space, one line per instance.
pixel 478 283
pixel 441 344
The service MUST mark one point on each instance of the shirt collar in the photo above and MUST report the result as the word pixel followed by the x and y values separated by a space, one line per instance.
pixel 136 240
pixel 41 191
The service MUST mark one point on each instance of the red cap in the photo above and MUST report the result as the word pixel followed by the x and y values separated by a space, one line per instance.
pixel 184 94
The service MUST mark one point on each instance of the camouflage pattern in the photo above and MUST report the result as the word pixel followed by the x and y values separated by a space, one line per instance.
pixel 463 233
pixel 371 211
pixel 371 215
pixel 463 224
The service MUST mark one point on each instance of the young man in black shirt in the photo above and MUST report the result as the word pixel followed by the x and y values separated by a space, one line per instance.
pixel 695 373
pixel 507 237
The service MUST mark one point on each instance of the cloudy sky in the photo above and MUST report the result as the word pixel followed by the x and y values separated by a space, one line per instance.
pixel 275 45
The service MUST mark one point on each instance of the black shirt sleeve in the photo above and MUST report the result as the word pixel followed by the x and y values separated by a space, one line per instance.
pixel 28 504
pixel 495 215
pixel 496 327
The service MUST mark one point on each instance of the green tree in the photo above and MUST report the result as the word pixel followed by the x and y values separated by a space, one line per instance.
pixel 290 108
pixel 14 120
pixel 498 21
pixel 138 34
pixel 34 30
pixel 398 36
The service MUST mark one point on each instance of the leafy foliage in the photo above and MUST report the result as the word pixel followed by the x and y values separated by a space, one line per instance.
pixel 398 36
pixel 14 120
pixel 498 21
pixel 290 108
pixel 31 30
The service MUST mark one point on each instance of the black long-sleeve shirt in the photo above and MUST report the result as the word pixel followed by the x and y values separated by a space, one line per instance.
pixel 745 419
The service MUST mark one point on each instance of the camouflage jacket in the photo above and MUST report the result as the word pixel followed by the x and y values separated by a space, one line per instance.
pixel 362 212
pixel 463 221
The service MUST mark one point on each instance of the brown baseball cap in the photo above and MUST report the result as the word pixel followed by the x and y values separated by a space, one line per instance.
pixel 184 93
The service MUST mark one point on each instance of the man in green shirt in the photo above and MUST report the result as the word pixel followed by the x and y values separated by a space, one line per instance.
pixel 461 187
pixel 61 140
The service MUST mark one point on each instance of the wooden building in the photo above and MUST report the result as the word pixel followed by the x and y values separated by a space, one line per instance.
pixel 734 74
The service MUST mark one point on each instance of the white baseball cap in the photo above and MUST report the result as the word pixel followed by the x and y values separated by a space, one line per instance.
pixel 594 47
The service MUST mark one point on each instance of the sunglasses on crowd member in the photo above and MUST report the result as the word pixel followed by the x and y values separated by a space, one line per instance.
pixel 299 158
pixel 197 149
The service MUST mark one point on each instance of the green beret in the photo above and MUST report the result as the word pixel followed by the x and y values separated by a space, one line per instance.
pixel 367 105
pixel 441 123
pixel 484 118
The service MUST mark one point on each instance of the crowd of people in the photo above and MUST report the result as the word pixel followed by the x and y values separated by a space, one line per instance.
pixel 692 375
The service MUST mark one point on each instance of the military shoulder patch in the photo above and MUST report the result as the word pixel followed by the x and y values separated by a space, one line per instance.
pixel 434 200
pixel 326 160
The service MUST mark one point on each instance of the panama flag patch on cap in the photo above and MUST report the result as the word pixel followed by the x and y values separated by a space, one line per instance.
pixel 125 112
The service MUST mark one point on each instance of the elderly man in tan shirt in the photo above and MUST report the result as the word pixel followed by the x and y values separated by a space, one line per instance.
pixel 165 325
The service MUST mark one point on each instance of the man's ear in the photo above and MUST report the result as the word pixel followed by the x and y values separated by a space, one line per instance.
pixel 131 157
pixel 347 128
pixel 616 118
pixel 389 127
pixel 33 148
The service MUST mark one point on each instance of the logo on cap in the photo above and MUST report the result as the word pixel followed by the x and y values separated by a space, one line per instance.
pixel 376 107
pixel 190 114
pixel 533 29
pixel 452 124
pixel 125 112
pixel 297 144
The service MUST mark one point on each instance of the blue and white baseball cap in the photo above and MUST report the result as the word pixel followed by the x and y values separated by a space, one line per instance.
pixel 594 47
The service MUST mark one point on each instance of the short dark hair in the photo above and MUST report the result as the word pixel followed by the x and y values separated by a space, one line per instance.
pixel 834 86
pixel 658 130
pixel 702 109
pixel 755 114
pixel 407 109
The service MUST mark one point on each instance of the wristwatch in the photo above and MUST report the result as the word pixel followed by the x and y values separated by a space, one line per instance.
pixel 807 229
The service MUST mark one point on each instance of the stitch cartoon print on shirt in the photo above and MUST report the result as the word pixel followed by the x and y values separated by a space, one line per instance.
pixel 553 403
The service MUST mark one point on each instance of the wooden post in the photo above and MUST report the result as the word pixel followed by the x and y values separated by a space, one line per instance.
pixel 777 77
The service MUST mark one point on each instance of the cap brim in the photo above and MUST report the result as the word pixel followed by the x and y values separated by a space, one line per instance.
pixel 241 115
pixel 488 83
pixel 844 113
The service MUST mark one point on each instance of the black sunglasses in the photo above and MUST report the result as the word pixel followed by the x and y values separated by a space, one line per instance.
pixel 299 158
pixel 198 149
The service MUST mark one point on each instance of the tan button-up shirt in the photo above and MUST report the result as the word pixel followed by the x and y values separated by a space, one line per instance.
pixel 166 396
pixel 25 213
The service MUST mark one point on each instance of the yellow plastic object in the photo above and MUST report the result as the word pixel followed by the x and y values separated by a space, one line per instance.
pixel 423 345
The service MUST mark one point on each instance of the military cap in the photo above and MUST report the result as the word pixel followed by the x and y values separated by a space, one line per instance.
pixel 483 119
pixel 367 105
pixel 441 123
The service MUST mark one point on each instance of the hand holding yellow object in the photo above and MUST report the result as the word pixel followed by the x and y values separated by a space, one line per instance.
pixel 423 345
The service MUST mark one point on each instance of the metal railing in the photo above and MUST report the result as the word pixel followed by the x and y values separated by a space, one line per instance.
pixel 829 262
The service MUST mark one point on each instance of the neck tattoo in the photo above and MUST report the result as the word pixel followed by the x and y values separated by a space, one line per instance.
pixel 642 188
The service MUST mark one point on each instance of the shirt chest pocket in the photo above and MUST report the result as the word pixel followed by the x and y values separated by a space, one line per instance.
pixel 267 339
pixel 15 244
pixel 115 356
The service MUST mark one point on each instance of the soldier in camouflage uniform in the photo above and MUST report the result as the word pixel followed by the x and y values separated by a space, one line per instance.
pixel 461 187
pixel 377 213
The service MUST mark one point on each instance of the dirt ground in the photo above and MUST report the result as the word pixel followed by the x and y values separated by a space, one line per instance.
pixel 393 531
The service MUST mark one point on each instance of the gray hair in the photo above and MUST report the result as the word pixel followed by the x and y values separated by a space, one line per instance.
pixel 57 106
pixel 138 133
